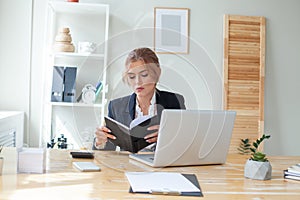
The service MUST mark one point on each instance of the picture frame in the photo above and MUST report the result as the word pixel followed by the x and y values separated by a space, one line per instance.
pixel 171 30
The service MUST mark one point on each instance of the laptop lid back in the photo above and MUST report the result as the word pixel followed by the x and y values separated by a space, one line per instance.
pixel 193 137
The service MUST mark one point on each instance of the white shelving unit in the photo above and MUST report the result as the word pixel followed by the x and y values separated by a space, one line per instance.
pixel 87 23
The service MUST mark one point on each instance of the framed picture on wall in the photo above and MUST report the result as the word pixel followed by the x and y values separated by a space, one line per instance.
pixel 171 30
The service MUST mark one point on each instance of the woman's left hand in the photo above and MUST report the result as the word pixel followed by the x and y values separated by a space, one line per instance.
pixel 153 136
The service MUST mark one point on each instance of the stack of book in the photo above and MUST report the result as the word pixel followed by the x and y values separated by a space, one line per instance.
pixel 293 172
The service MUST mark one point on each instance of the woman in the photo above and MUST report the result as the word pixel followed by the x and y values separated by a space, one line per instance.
pixel 142 72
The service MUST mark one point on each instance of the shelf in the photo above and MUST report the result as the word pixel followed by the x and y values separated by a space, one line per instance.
pixel 79 55
pixel 77 8
pixel 87 22
pixel 66 104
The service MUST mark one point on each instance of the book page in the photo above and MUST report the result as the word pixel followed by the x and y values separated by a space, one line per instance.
pixel 139 120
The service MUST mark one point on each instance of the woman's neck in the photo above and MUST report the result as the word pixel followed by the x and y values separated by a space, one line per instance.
pixel 144 103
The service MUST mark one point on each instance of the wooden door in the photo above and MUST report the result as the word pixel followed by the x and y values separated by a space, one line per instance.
pixel 244 72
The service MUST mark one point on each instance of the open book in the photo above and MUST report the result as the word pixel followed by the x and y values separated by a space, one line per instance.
pixel 131 138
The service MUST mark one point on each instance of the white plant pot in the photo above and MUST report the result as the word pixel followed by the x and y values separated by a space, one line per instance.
pixel 258 170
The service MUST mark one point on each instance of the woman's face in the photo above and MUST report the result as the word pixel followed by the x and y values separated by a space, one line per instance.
pixel 141 79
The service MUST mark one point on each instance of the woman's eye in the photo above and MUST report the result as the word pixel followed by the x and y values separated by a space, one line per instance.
pixel 131 76
pixel 144 74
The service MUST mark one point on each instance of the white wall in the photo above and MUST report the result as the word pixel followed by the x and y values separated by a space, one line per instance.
pixel 197 75
pixel 15 56
pixel 282 110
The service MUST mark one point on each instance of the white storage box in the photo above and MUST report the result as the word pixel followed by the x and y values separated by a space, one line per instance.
pixel 32 160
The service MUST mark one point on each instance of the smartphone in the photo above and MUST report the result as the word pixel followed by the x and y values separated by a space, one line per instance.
pixel 82 154
pixel 86 166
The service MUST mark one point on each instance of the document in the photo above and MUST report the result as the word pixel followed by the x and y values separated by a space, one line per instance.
pixel 166 183
pixel 131 138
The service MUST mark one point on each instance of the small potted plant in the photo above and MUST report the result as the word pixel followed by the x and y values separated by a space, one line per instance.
pixel 257 167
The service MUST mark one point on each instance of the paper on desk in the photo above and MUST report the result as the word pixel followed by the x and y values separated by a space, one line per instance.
pixel 162 181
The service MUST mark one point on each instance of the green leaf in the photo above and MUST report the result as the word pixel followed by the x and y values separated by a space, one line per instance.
pixel 255 145
pixel 259 156
pixel 246 148
pixel 253 150
pixel 246 141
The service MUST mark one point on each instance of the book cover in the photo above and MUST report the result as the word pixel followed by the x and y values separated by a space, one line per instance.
pixel 289 173
pixel 297 178
pixel 99 87
pixel 131 138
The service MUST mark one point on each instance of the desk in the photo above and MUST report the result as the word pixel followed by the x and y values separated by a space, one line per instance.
pixel 62 181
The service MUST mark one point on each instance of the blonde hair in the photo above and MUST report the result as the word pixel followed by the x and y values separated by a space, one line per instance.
pixel 148 57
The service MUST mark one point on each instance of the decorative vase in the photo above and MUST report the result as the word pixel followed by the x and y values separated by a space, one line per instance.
pixel 258 170
pixel 63 41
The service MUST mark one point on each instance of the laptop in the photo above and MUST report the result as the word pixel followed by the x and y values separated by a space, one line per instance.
pixel 191 137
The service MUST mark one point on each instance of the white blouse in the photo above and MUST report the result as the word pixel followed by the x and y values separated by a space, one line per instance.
pixel 152 108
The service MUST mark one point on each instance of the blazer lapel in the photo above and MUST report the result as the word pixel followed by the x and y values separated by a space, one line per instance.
pixel 131 106
pixel 160 103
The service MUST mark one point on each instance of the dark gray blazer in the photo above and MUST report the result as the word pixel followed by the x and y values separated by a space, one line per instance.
pixel 123 109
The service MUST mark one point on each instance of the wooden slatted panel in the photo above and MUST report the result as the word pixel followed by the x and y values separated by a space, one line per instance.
pixel 244 63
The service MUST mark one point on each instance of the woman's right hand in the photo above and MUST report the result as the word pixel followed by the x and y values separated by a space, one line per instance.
pixel 102 133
